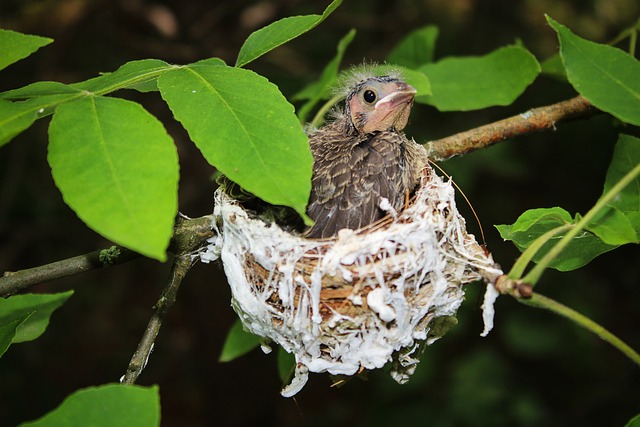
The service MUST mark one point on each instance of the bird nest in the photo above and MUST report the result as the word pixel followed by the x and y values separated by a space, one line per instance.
pixel 361 299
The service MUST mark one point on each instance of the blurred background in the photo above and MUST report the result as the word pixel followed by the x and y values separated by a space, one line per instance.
pixel 534 369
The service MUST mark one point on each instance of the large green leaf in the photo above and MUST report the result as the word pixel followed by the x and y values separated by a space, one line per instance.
pixel 416 49
pixel 321 88
pixel 244 127
pixel 15 46
pixel 29 313
pixel 536 222
pixel 140 75
pixel 238 343
pixel 605 75
pixel 478 82
pixel 278 33
pixel 105 406
pixel 118 170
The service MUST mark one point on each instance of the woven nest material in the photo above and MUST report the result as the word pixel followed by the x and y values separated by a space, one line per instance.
pixel 361 299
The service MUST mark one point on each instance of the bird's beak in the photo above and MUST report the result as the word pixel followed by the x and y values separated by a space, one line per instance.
pixel 402 96
pixel 392 111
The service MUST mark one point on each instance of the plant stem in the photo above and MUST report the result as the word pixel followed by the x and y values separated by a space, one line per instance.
pixel 541 301
pixel 318 119
pixel 189 235
pixel 517 270
pixel 536 272
pixel 180 267
pixel 15 281
pixel 534 120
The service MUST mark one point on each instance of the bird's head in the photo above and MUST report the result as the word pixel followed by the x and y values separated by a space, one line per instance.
pixel 379 104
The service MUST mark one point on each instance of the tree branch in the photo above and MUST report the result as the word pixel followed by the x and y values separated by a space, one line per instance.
pixel 189 236
pixel 534 120
pixel 180 267
pixel 14 281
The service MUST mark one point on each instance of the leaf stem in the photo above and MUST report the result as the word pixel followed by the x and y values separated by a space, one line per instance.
pixel 547 303
pixel 536 272
pixel 318 119
pixel 517 270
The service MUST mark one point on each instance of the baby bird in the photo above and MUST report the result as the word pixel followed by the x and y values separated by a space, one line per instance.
pixel 362 157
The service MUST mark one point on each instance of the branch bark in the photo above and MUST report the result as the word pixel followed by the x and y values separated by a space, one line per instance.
pixel 180 267
pixel 534 120
pixel 189 236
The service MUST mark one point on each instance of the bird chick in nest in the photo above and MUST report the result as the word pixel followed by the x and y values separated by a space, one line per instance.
pixel 363 156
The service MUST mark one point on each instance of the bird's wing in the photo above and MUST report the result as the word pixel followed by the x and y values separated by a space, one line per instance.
pixel 350 180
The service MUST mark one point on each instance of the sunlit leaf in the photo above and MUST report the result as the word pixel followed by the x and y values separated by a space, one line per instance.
pixel 607 76
pixel 613 227
pixel 140 75
pixel 278 33
pixel 105 406
pixel 117 168
pixel 536 222
pixel 469 83
pixel 15 46
pixel 244 127
pixel 238 343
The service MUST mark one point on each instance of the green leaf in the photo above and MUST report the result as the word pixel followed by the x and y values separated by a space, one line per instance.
pixel 238 343
pixel 105 406
pixel 536 222
pixel 416 49
pixel 605 75
pixel 16 46
pixel 8 330
pixel 15 117
pixel 140 75
pixel 321 88
pixel 613 227
pixel 32 311
pixel 41 89
pixel 471 83
pixel 278 33
pixel 256 141
pixel 634 422
pixel 118 170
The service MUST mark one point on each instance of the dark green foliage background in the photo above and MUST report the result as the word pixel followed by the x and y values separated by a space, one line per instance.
pixel 534 370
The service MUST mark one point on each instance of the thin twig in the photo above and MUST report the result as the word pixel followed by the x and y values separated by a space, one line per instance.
pixel 15 281
pixel 189 235
pixel 534 120
pixel 180 267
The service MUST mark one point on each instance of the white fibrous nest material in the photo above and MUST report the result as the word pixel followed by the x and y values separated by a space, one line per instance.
pixel 361 299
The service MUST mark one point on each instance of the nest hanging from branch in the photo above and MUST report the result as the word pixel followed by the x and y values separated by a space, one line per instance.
pixel 361 299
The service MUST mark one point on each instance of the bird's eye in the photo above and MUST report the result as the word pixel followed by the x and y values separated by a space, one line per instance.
pixel 369 96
